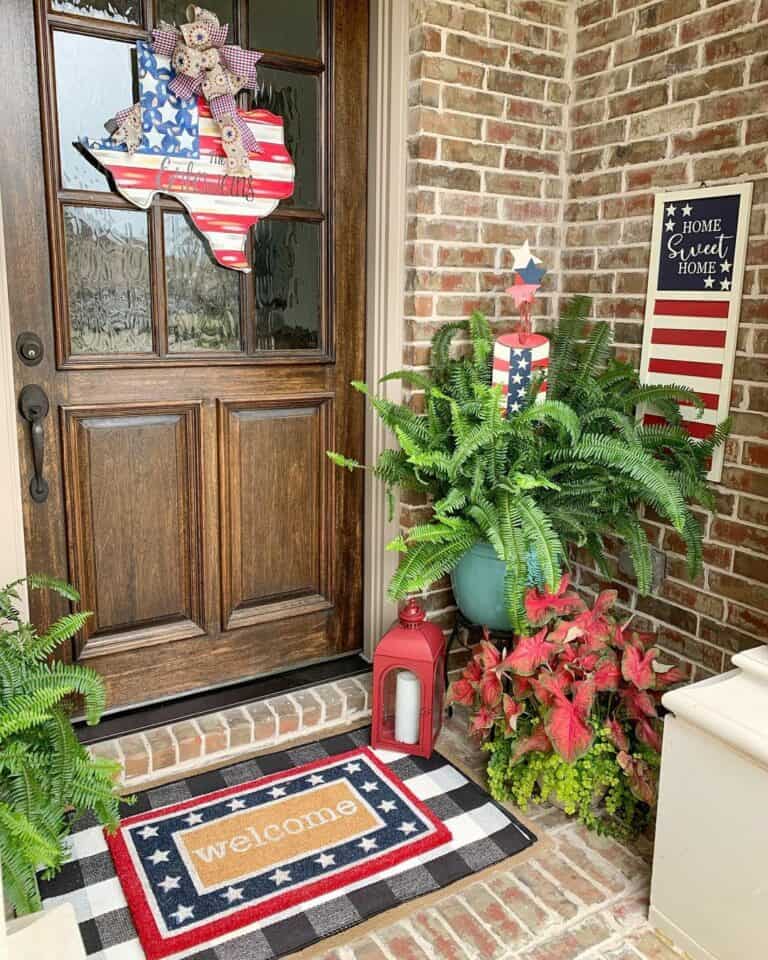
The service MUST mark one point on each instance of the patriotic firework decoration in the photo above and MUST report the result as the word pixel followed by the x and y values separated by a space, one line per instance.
pixel 694 300
pixel 187 138
pixel 521 358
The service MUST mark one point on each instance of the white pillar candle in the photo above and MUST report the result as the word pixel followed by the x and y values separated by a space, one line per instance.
pixel 407 707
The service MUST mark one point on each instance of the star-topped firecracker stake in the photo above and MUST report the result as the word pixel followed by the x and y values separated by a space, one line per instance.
pixel 521 358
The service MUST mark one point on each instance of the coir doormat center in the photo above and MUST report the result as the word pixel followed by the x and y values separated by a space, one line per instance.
pixel 266 857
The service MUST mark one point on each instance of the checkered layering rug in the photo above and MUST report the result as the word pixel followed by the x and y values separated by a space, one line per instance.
pixel 265 858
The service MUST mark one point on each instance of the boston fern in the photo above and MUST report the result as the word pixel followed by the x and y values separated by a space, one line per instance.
pixel 45 773
pixel 568 471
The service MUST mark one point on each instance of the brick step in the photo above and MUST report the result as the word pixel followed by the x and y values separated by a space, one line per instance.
pixel 216 739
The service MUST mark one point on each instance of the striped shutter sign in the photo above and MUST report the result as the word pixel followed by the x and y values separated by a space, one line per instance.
pixel 694 300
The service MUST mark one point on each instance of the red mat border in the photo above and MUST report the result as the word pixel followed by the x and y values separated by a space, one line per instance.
pixel 157 947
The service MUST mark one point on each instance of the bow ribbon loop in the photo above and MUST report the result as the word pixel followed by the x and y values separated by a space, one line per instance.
pixel 205 63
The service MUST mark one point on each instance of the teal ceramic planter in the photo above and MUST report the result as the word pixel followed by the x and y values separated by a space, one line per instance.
pixel 478 585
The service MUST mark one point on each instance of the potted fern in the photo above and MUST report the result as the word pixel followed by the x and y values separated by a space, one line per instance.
pixel 46 775
pixel 513 495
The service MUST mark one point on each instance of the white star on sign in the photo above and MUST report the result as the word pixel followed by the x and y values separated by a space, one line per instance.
pixel 367 844
pixel 170 883
pixel 671 209
pixel 281 876
pixel 183 913
pixel 148 82
pixel 326 860
pixel 725 266
pixel 725 284
pixel 387 806
pixel 369 786
pixel 148 832
pixel 315 779
pixel 514 407
pixel 154 137
pixel 168 113
pixel 406 828
pixel 236 805
pixel 670 224
pixel 160 856
pixel 193 818
pixel 352 768
pixel 521 391
pixel 709 282
pixel 233 893
pixel 523 364
pixel 276 792
pixel 517 378
pixel 687 210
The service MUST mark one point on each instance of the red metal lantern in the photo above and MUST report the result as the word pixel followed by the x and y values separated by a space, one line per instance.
pixel 409 684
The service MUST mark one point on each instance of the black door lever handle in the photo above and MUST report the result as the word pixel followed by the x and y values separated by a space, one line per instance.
pixel 34 406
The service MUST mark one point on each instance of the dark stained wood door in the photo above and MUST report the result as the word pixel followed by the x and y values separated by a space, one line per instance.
pixel 191 501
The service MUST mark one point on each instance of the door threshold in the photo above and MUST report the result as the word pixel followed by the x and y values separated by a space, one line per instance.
pixel 149 716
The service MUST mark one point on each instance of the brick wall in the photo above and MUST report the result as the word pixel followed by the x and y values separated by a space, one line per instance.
pixel 486 167
pixel 558 121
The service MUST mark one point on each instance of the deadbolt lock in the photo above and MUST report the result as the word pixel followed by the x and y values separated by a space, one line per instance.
pixel 29 348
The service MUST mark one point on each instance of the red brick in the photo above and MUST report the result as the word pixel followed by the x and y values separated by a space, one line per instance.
pixel 729 105
pixel 750 620
pixel 592 62
pixel 432 175
pixel 735 45
pixel 660 175
pixel 540 64
pixel 757 130
pixel 725 167
pixel 640 151
pixel 644 45
pixel 455 17
pixel 513 184
pixel 604 33
pixel 431 929
pixel 664 66
pixel 162 748
pixel 701 84
pixel 468 929
pixel 188 740
pixel 516 84
pixel 468 48
pixel 572 942
pixel 512 31
pixel 744 591
pixel 473 101
pixel 720 20
pixel 496 916
pixel 598 135
pixel 659 13
pixel 587 14
pixel 661 121
pixel 401 943
pixel 463 151
pixel 636 100
pixel 711 138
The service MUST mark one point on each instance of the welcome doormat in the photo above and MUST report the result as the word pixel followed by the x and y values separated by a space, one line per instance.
pixel 267 857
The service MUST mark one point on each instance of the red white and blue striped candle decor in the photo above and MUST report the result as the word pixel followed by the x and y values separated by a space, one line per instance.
pixel 187 138
pixel 520 357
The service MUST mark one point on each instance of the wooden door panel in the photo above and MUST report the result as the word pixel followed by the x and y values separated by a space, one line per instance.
pixel 276 507
pixel 133 493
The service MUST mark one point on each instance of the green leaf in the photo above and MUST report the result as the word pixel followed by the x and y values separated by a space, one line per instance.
pixel 341 461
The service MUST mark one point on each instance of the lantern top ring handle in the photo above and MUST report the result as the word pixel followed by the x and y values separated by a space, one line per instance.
pixel 412 615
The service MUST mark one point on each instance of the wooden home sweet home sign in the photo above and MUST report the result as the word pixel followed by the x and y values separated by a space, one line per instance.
pixel 695 278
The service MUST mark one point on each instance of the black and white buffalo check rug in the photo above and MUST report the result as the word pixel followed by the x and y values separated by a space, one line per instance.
pixel 267 857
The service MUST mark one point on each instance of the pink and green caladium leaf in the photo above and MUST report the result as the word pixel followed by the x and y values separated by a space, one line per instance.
pixel 482 721
pixel 640 777
pixel 567 724
pixel 462 692
pixel 547 685
pixel 607 675
pixel 638 703
pixel 489 655
pixel 538 740
pixel 512 711
pixel 529 654
pixel 619 737
pixel 667 675
pixel 541 606
pixel 637 667
pixel 647 731
pixel 490 688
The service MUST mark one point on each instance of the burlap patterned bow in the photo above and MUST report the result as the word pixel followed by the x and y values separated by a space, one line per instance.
pixel 203 63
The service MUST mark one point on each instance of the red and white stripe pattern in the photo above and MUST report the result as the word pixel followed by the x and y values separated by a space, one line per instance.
pixel 686 345
pixel 517 360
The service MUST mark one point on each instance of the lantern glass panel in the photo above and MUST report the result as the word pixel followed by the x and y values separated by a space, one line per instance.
pixel 401 706
pixel 437 698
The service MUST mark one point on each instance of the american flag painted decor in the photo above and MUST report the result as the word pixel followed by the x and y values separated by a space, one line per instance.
pixel 694 300
pixel 181 155
pixel 517 360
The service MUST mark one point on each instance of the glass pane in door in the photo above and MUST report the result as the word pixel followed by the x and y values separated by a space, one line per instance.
pixel 203 297
pixel 107 256
pixel 174 11
pixel 291 26
pixel 94 79
pixel 120 11
pixel 288 288
pixel 295 98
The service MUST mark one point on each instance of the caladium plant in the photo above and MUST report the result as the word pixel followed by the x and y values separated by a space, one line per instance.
pixel 582 685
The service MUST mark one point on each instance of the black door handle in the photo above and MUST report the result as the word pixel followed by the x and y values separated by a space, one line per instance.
pixel 33 404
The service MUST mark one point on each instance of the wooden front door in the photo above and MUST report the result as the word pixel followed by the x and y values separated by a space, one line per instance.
pixel 190 407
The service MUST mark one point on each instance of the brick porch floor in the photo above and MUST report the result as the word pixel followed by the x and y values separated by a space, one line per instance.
pixel 578 896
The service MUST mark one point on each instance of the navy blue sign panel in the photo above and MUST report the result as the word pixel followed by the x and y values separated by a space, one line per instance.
pixel 698 242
